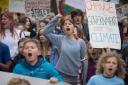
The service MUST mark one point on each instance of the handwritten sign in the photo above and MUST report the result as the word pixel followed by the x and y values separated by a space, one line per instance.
pixel 5 77
pixel 17 6
pixel 37 8
pixel 103 24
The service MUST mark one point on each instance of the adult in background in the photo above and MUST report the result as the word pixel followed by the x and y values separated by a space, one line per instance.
pixel 28 31
pixel 8 34
pixel 80 22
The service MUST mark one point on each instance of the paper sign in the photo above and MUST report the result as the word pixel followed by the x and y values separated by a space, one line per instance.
pixel 103 24
pixel 37 8
pixel 17 6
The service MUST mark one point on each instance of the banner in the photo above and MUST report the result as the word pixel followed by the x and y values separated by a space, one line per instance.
pixel 5 77
pixel 17 6
pixel 103 24
pixel 78 4
pixel 4 4
pixel 37 8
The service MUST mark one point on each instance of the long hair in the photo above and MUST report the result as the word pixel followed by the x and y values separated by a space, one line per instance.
pixel 44 45
pixel 120 72
pixel 11 24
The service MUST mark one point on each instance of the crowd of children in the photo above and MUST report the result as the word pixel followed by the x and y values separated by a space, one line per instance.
pixel 58 49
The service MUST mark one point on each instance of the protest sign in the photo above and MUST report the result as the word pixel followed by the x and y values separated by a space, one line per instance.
pixel 17 6
pixel 103 24
pixel 37 8
pixel 4 4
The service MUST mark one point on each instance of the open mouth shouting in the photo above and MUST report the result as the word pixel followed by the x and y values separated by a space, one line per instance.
pixel 68 29
pixel 29 54
pixel 110 69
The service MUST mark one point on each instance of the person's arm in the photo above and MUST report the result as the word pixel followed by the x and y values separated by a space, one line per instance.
pixel 6 59
pixel 51 25
pixel 6 66
pixel 48 31
pixel 83 50
pixel 53 74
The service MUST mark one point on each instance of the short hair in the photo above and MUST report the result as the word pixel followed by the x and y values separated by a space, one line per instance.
pixel 22 40
pixel 34 41
pixel 77 13
pixel 18 81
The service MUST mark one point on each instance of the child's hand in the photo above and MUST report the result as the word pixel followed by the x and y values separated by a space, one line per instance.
pixel 59 15
pixel 53 80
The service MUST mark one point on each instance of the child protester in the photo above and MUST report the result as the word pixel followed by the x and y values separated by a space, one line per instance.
pixel 110 70
pixel 35 64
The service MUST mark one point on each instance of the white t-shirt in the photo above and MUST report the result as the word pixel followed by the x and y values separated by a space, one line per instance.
pixel 11 41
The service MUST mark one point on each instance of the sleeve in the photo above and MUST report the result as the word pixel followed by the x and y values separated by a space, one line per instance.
pixel 48 32
pixel 91 81
pixel 84 60
pixel 53 72
pixel 17 69
pixel 7 56
pixel 83 49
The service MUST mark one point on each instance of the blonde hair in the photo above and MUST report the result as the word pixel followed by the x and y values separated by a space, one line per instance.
pixel 18 81
pixel 120 72
pixel 34 41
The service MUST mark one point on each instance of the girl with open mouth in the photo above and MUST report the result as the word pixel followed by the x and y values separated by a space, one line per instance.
pixel 72 49
pixel 110 70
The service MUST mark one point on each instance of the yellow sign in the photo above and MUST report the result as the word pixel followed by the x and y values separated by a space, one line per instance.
pixel 4 4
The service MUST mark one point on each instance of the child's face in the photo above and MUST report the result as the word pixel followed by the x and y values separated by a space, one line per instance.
pixel 43 38
pixel 92 52
pixel 42 25
pixel 68 27
pixel 21 47
pixel 31 52
pixel 110 66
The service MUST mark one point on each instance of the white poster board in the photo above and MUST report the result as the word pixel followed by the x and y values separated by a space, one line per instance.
pixel 17 6
pixel 5 77
pixel 79 4
pixel 37 8
pixel 113 1
pixel 103 24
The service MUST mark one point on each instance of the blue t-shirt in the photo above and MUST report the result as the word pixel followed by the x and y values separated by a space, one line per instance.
pixel 101 80
pixel 4 53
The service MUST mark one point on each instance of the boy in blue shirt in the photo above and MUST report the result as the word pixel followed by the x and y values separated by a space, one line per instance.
pixel 35 65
